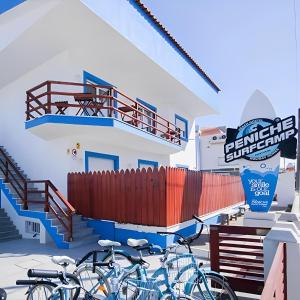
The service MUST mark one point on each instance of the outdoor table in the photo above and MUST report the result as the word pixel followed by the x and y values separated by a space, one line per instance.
pixel 86 100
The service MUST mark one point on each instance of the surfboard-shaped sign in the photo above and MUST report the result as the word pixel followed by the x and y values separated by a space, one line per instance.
pixel 257 144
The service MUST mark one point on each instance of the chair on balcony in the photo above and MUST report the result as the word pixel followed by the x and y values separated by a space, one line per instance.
pixel 61 107
pixel 89 104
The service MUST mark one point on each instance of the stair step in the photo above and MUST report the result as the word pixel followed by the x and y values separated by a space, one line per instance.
pixel 10 238
pixel 9 232
pixel 7 228
pixel 92 239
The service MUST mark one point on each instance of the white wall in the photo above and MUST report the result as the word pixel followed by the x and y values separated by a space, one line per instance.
pixel 186 157
pixel 212 154
pixel 285 189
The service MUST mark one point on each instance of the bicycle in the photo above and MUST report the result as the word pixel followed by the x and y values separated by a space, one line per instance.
pixel 201 283
pixel 137 282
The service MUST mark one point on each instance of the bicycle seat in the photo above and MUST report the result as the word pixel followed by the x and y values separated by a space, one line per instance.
pixel 63 260
pixel 136 243
pixel 108 243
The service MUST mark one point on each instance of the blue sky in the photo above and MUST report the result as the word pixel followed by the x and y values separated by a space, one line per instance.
pixel 242 45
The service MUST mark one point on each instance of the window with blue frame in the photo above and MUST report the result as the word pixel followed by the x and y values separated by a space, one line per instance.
pixel 95 161
pixel 183 124
pixel 142 163
pixel 148 116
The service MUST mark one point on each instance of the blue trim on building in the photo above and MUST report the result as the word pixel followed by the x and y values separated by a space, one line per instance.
pixel 148 163
pixel 89 154
pixel 186 122
pixel 97 80
pixel 150 106
pixel 72 120
pixel 171 43
pixel 42 216
pixel 6 5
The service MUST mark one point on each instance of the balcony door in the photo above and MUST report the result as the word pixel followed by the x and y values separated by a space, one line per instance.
pixel 91 79
pixel 148 115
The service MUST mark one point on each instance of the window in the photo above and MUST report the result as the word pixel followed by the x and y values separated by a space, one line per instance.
pixel 32 227
pixel 95 161
pixel 148 112
pixel 182 123
pixel 147 163
pixel 184 167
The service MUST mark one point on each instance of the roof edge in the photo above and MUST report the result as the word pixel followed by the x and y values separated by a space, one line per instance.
pixel 151 18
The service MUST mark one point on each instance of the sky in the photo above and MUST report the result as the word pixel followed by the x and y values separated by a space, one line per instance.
pixel 243 46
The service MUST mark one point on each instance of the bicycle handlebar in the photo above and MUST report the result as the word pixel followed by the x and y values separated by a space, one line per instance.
pixel 186 241
pixel 43 273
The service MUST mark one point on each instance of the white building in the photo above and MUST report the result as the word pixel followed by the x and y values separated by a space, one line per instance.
pixel 210 151
pixel 104 47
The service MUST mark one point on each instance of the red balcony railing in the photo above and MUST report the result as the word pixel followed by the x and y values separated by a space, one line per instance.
pixel 77 99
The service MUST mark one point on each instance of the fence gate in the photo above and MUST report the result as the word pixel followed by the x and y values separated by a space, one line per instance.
pixel 237 253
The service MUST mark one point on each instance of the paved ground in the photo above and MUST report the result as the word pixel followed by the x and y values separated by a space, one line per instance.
pixel 16 257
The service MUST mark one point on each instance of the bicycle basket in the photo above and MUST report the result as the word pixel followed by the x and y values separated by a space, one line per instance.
pixel 181 267
pixel 140 289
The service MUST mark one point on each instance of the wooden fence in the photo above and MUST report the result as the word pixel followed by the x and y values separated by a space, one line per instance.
pixel 158 197
pixel 276 283
pixel 237 253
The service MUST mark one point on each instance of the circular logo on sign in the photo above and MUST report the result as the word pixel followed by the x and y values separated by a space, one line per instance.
pixel 253 126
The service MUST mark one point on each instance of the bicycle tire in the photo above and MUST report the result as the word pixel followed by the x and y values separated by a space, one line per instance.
pixel 219 288
pixel 46 288
pixel 94 279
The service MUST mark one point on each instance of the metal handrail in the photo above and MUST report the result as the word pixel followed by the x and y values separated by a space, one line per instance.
pixel 7 165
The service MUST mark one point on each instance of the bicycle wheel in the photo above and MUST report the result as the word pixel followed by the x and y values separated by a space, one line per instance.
pixel 94 282
pixel 42 291
pixel 218 287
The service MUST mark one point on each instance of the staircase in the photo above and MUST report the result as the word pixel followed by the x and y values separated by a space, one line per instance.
pixel 41 200
pixel 8 230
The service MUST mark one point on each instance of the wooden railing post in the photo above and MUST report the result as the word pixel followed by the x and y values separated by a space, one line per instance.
pixel 48 109
pixel 27 108
pixel 71 227
pixel 25 198
pixel 214 249
pixel 46 209
pixel 6 171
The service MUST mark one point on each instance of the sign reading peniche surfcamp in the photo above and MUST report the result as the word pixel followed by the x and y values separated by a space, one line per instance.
pixel 257 144
pixel 257 135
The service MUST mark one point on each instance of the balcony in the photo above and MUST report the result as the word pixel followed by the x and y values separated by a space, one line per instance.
pixel 56 109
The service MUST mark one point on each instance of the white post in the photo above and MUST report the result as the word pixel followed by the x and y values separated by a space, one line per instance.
pixel 288 233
